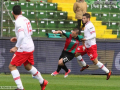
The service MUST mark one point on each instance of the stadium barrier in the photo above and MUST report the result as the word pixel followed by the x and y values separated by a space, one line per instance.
pixel 47 52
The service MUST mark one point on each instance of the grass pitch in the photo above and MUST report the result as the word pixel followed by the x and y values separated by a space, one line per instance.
pixel 72 82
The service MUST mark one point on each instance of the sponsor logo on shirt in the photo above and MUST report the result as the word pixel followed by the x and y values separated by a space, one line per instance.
pixel 91 28
pixel 74 41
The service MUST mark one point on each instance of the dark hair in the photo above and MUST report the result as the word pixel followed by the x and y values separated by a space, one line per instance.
pixel 17 10
pixel 87 15
pixel 76 30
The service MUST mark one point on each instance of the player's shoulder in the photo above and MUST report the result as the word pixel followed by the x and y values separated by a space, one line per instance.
pixel 80 37
pixel 19 20
pixel 90 25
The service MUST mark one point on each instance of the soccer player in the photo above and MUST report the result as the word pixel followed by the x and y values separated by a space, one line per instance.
pixel 68 53
pixel 90 46
pixel 23 50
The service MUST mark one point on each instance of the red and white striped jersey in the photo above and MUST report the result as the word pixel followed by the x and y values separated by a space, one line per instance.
pixel 89 34
pixel 23 31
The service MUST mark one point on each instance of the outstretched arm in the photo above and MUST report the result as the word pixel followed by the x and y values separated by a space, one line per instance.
pixel 56 32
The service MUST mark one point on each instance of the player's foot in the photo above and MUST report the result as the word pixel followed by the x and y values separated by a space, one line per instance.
pixel 109 74
pixel 19 89
pixel 84 67
pixel 66 74
pixel 43 86
pixel 55 73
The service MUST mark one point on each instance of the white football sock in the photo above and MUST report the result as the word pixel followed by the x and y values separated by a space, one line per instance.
pixel 36 74
pixel 16 77
pixel 79 58
pixel 101 66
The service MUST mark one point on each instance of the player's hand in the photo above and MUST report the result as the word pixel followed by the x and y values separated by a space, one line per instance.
pixel 55 32
pixel 83 39
pixel 13 50
pixel 13 39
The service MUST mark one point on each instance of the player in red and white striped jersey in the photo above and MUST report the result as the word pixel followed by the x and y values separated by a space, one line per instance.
pixel 23 50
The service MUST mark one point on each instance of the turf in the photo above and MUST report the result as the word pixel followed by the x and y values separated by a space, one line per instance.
pixel 72 82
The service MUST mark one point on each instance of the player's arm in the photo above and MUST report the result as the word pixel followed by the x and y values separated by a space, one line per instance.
pixel 19 41
pixel 13 39
pixel 58 32
pixel 19 38
pixel 83 42
pixel 66 34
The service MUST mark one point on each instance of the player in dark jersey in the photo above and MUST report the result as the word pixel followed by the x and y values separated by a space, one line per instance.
pixel 68 53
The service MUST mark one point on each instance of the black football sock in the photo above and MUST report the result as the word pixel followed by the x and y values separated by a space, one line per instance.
pixel 65 68
pixel 59 68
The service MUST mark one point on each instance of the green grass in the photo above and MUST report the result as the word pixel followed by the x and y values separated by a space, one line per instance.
pixel 72 82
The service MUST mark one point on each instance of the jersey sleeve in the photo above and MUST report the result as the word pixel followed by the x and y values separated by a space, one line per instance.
pixel 66 34
pixel 20 39
pixel 20 35
pixel 19 26
pixel 80 37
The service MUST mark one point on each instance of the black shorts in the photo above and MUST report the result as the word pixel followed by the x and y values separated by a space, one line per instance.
pixel 67 56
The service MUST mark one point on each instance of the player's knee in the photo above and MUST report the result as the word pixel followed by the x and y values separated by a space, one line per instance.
pixel 11 67
pixel 95 61
pixel 77 54
pixel 28 67
pixel 60 62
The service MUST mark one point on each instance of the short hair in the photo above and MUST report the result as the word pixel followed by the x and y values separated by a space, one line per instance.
pixel 87 15
pixel 76 30
pixel 17 9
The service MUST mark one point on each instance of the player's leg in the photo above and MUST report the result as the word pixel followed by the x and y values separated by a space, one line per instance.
pixel 92 53
pixel 63 66
pixel 57 71
pixel 65 57
pixel 37 75
pixel 34 72
pixel 28 64
pixel 85 66
pixel 16 76
pixel 80 59
pixel 101 66
pixel 16 61
pixel 59 67
pixel 79 53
